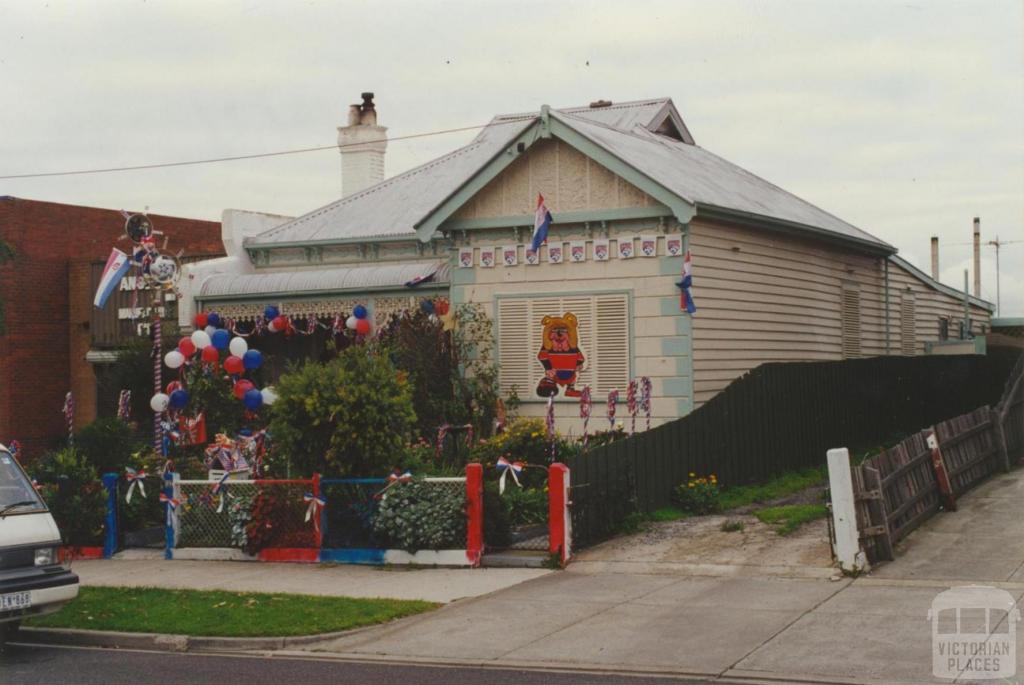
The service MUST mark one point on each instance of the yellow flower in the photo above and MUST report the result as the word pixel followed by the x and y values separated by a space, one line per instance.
pixel 693 475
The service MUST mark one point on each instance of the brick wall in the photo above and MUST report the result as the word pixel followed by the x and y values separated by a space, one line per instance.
pixel 47 298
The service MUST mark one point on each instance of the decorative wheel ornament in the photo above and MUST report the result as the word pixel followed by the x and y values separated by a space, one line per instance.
pixel 164 270
pixel 138 226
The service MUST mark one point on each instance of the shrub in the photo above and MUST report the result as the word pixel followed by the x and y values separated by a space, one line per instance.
pixel 526 505
pixel 699 495
pixel 418 515
pixel 524 440
pixel 74 494
pixel 349 416
pixel 109 444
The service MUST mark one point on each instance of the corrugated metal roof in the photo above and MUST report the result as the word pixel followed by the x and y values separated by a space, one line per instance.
pixel 701 177
pixel 353 278
pixel 623 115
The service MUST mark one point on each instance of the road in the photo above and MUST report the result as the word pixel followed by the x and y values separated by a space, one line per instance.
pixel 43 665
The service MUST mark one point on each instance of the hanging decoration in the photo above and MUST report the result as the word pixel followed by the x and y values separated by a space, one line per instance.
pixel 487 257
pixel 685 298
pixel 555 253
pixel 645 399
pixel 510 255
pixel 219 490
pixel 578 251
pixel 648 246
pixel 560 355
pixel 549 422
pixel 631 405
pixel 172 504
pixel 586 407
pixel 465 257
pixel 14 447
pixel 673 245
pixel 602 249
pixel 625 246
pixel 134 478
pixel 505 467
pixel 158 437
pixel 394 478
pixel 314 505
pixel 613 400
pixel 531 256
pixel 225 453
pixel 69 417
pixel 442 433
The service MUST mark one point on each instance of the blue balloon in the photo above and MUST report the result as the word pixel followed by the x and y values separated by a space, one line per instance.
pixel 253 359
pixel 253 399
pixel 221 339
pixel 271 312
pixel 427 306
pixel 178 400
pixel 213 319
pixel 359 312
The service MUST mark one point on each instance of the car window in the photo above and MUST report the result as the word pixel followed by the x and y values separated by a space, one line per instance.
pixel 16 487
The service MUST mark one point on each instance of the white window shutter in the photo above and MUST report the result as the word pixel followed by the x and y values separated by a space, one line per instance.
pixel 850 316
pixel 611 356
pixel 908 325
pixel 514 324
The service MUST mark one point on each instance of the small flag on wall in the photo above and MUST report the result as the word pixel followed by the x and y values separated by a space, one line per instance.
pixel 648 246
pixel 555 254
pixel 487 257
pixel 685 298
pixel 602 249
pixel 532 256
pixel 465 257
pixel 510 255
pixel 577 251
pixel 541 224
pixel 673 245
pixel 625 248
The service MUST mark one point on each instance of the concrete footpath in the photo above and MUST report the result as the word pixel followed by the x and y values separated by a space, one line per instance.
pixel 725 621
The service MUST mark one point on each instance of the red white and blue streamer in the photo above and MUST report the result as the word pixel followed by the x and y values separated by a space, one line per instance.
pixel 505 467
pixel 314 505
pixel 134 479
pixel 686 303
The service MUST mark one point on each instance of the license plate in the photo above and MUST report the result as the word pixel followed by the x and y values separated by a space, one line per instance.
pixel 15 600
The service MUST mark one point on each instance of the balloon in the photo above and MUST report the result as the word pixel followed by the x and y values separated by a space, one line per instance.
pixel 253 399
pixel 234 365
pixel 271 312
pixel 220 339
pixel 172 386
pixel 427 307
pixel 213 318
pixel 174 359
pixel 159 402
pixel 441 307
pixel 200 321
pixel 280 323
pixel 178 399
pixel 362 326
pixel 350 323
pixel 252 359
pixel 271 326
pixel 241 387
pixel 186 347
pixel 200 339
pixel 269 395
pixel 210 330
pixel 238 346
pixel 210 354
pixel 359 312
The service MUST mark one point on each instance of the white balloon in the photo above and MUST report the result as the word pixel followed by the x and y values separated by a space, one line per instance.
pixel 238 346
pixel 174 359
pixel 201 339
pixel 350 323
pixel 271 327
pixel 159 402
pixel 269 394
pixel 210 330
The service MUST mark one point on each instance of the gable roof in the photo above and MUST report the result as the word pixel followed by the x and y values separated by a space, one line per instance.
pixel 394 208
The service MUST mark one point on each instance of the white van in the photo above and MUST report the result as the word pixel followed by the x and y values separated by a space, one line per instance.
pixel 33 580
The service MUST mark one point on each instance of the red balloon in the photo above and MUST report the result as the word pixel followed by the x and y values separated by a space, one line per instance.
pixel 362 326
pixel 186 346
pixel 441 307
pixel 201 321
pixel 172 386
pixel 233 364
pixel 210 354
pixel 281 323
pixel 243 386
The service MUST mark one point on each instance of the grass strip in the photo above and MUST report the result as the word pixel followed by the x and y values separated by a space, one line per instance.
pixel 788 518
pixel 668 514
pixel 222 614
pixel 782 486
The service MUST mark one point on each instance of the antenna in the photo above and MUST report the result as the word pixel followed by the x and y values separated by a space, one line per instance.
pixel 998 244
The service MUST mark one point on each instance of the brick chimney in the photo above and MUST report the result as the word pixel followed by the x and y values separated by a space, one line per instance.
pixel 362 144
pixel 935 257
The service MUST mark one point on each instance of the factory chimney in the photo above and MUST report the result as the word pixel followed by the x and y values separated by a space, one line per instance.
pixel 977 257
pixel 935 257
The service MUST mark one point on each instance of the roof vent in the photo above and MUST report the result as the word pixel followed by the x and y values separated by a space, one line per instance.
pixel 600 103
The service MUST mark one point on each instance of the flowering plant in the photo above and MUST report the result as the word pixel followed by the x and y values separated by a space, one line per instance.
pixel 699 495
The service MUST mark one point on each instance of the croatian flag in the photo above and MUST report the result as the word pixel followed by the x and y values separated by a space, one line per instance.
pixel 541 223
pixel 685 298
pixel 117 266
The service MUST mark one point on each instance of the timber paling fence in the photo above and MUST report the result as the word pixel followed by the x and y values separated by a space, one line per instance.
pixel 897 490
pixel 780 417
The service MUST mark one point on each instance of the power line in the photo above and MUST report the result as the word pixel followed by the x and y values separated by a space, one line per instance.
pixel 163 165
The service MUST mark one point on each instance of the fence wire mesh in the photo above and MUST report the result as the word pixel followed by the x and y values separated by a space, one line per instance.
pixel 141 520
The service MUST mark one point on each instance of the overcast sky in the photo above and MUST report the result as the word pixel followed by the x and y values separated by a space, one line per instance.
pixel 905 119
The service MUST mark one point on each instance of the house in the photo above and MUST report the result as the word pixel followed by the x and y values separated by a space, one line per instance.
pixel 775 278
pixel 52 339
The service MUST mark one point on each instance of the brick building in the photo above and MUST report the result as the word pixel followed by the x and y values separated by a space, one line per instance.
pixel 46 292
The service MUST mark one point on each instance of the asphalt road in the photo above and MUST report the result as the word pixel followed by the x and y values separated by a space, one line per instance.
pixel 42 665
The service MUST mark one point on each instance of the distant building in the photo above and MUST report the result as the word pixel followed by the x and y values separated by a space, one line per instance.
pixel 775 278
pixel 52 335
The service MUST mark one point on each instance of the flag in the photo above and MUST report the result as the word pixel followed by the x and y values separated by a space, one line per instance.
pixel 685 298
pixel 117 266
pixel 541 223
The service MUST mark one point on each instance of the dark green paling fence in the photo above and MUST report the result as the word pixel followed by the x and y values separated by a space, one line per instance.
pixel 779 417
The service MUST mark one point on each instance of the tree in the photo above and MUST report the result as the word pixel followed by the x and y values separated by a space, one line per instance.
pixel 351 416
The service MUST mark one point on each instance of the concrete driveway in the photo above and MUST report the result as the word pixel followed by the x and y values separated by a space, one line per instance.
pixel 802 623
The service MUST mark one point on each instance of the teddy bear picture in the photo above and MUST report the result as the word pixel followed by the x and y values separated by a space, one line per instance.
pixel 560 355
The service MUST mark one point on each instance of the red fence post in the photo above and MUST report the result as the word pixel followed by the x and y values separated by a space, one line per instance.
pixel 559 523
pixel 475 513
pixel 946 495
pixel 318 529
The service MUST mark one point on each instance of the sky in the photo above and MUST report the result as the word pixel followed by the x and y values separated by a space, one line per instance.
pixel 905 119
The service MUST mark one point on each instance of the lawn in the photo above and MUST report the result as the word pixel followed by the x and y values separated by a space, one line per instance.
pixel 787 519
pixel 787 484
pixel 222 614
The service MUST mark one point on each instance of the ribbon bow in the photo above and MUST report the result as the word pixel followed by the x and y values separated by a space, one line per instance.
pixel 172 504
pixel 394 478
pixel 316 503
pixel 134 478
pixel 219 488
pixel 506 467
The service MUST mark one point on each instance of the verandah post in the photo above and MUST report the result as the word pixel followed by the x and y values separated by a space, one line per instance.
pixel 110 536
pixel 474 513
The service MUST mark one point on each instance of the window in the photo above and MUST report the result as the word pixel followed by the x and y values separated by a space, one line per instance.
pixel 944 328
pixel 908 330
pixel 850 315
pixel 603 330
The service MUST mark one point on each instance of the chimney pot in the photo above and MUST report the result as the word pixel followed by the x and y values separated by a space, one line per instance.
pixel 362 144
